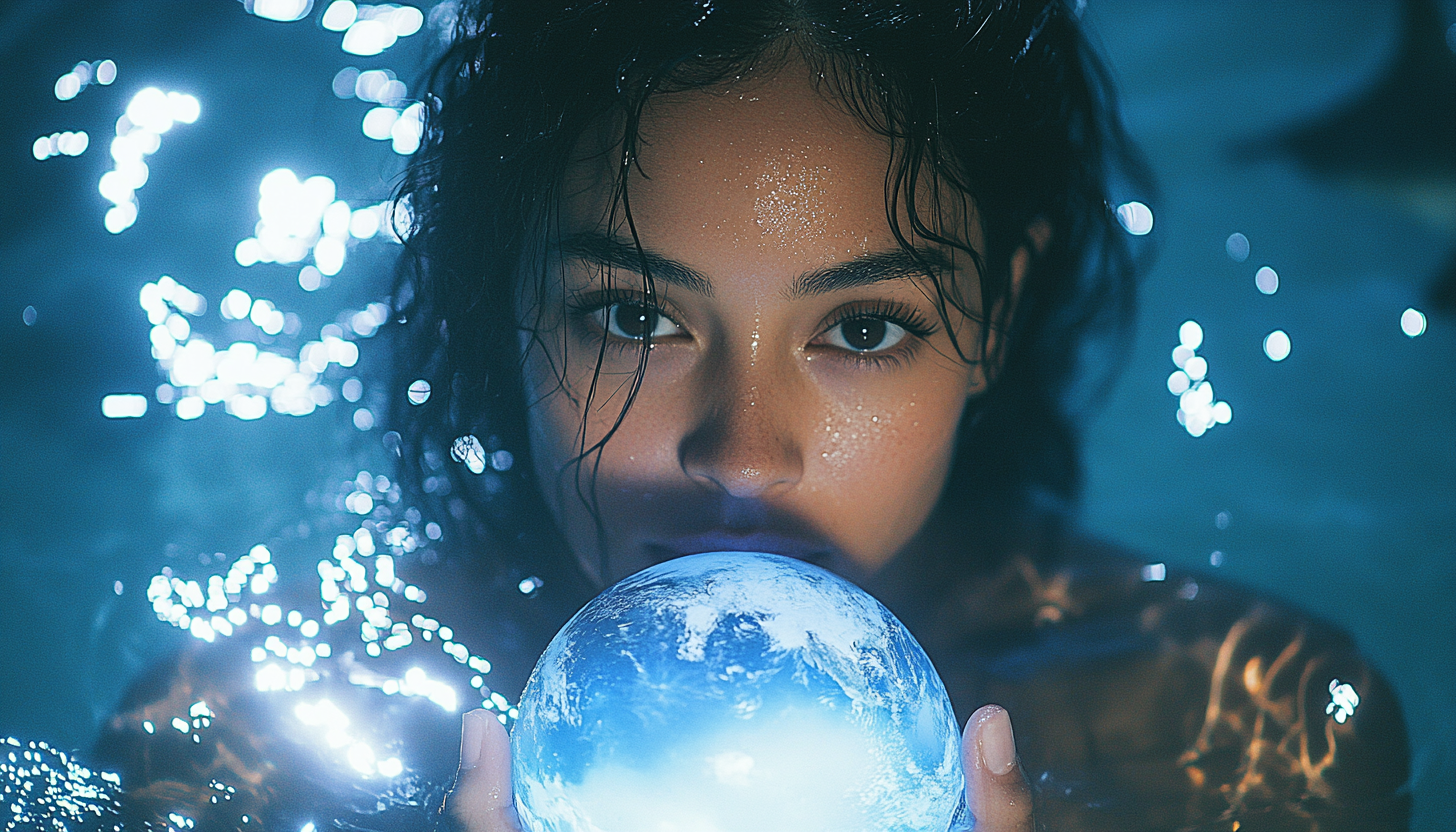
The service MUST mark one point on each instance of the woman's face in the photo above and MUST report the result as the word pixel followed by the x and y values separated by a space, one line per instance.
pixel 802 392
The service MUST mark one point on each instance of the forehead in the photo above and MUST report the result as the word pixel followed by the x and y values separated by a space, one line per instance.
pixel 763 169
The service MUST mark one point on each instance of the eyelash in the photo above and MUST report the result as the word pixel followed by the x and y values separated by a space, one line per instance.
pixel 584 308
pixel 911 320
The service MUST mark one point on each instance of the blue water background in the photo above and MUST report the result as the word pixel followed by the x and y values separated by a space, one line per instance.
pixel 1337 473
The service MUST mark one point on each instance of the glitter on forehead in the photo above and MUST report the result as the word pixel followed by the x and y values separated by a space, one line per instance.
pixel 789 199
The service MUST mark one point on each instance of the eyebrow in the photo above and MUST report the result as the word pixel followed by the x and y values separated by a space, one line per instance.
pixel 622 254
pixel 865 270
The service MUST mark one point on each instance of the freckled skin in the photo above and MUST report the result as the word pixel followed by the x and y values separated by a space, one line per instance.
pixel 747 421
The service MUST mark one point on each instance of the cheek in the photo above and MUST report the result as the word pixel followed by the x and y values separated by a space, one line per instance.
pixel 888 426
pixel 878 463
pixel 567 415
pixel 896 447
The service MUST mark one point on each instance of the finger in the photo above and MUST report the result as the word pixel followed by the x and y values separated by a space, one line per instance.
pixel 482 800
pixel 996 790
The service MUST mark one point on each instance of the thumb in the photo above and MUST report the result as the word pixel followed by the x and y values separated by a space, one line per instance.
pixel 996 789
pixel 482 800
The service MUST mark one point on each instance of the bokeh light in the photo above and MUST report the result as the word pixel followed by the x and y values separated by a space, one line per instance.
pixel 1190 335
pixel 84 74
pixel 44 788
pixel 1267 280
pixel 1135 217
pixel 1412 322
pixel 150 114
pixel 284 11
pixel 369 30
pixel 1276 345
pixel 299 220
pixel 1198 410
pixel 259 346
pixel 1237 247
pixel 123 406
pixel 61 144
pixel 249 379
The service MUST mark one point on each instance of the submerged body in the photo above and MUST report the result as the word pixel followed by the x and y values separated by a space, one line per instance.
pixel 1179 704
pixel 746 281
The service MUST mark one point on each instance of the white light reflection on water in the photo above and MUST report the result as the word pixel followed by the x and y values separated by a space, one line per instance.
pixel 381 87
pixel 43 787
pixel 468 451
pixel 60 144
pixel 360 576
pixel 332 726
pixel 401 128
pixel 1135 217
pixel 83 75
pixel 150 114
pixel 123 406
pixel 246 379
pixel 1276 345
pixel 369 30
pixel 1412 322
pixel 283 11
pixel 395 120
pixel 1237 247
pixel 298 219
pixel 1343 701
pixel 255 355
pixel 339 16
pixel 1198 411
pixel 1267 280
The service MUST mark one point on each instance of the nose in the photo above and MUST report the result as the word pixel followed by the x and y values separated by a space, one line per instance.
pixel 743 442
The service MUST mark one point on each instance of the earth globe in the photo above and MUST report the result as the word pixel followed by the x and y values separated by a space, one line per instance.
pixel 736 691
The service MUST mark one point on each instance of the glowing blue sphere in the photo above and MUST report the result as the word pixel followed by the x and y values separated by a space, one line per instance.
pixel 735 691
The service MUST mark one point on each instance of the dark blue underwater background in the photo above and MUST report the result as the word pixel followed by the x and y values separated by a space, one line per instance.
pixel 1304 126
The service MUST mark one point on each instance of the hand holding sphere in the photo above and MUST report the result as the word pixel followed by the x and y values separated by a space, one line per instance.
pixel 736 691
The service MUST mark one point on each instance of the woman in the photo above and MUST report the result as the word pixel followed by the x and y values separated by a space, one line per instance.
pixel 816 280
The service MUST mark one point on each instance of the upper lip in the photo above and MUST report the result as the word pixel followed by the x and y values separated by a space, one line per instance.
pixel 744 541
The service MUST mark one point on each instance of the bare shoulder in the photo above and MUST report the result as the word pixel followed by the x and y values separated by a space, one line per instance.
pixel 1175 699
pixel 224 741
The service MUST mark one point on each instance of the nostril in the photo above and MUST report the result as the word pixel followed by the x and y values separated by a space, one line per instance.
pixel 743 443
pixel 741 469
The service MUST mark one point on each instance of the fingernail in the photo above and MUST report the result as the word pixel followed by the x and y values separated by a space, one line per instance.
pixel 998 746
pixel 472 737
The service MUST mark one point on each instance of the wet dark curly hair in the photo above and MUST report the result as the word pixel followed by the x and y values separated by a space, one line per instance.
pixel 999 101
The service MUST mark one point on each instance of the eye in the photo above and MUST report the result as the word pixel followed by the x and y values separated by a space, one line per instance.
pixel 636 321
pixel 865 334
